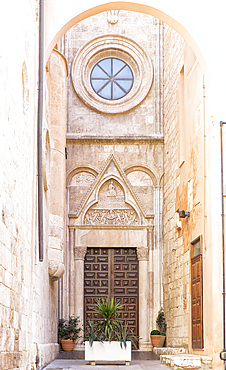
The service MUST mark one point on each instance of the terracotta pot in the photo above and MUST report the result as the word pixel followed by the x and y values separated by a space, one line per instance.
pixel 155 339
pixel 67 345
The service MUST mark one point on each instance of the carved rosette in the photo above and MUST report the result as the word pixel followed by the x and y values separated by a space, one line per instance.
pixel 80 252
pixel 142 253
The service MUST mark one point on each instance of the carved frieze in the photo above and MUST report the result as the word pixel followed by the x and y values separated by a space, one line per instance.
pixel 84 177
pixel 80 252
pixel 142 253
pixel 111 217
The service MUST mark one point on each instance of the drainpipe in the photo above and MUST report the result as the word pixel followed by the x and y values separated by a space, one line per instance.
pixel 223 236
pixel 39 128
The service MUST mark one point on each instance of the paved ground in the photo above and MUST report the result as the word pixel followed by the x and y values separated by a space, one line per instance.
pixel 84 365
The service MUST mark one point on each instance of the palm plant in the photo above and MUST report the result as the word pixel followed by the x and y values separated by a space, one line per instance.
pixel 125 333
pixel 108 326
pixel 107 310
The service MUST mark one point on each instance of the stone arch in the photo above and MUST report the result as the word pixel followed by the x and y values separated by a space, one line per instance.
pixel 144 169
pixel 72 173
pixel 79 182
pixel 67 22
pixel 144 183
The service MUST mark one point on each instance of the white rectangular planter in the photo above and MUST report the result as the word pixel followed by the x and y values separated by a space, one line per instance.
pixel 108 351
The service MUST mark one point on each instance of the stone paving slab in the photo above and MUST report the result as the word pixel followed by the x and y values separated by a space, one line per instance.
pixel 84 365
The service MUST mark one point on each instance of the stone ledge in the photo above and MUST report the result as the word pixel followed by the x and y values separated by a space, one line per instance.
pixel 186 361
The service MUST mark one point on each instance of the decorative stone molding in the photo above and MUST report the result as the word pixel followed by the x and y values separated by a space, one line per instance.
pixel 142 253
pixel 56 270
pixel 119 47
pixel 80 252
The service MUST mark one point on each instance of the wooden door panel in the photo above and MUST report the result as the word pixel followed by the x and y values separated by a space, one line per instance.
pixel 112 272
pixel 196 296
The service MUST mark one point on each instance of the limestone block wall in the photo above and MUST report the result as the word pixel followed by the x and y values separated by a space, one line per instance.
pixel 183 181
pixel 175 261
pixel 28 299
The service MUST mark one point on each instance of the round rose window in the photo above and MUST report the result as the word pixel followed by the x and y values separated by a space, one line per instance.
pixel 111 78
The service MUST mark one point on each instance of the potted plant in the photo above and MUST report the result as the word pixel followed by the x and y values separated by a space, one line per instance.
pixel 109 339
pixel 68 332
pixel 158 336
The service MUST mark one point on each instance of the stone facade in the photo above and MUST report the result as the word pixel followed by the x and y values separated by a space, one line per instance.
pixel 115 161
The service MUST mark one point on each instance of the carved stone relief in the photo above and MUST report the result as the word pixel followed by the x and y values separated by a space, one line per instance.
pixel 79 186
pixel 111 208
pixel 111 217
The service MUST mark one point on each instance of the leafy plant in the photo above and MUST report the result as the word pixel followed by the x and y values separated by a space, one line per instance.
pixel 68 329
pixel 161 321
pixel 108 326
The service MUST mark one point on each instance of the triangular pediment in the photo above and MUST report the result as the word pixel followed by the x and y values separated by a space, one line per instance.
pixel 111 199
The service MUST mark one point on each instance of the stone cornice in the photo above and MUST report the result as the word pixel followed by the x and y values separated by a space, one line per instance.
pixel 110 227
pixel 131 138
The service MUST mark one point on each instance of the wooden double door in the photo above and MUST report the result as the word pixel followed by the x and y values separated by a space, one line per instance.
pixel 112 272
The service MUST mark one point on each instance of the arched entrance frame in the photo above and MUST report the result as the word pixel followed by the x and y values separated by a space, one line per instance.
pixel 62 21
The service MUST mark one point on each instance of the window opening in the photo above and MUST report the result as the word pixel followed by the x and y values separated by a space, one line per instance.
pixel 111 78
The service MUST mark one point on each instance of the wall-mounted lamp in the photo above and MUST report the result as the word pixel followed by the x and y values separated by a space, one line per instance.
pixel 183 214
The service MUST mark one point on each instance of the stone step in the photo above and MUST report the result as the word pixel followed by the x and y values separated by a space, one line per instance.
pixel 186 361
pixel 80 355
pixel 169 350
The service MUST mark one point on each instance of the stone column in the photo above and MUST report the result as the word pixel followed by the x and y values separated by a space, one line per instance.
pixel 79 256
pixel 142 254
pixel 150 238
pixel 71 276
